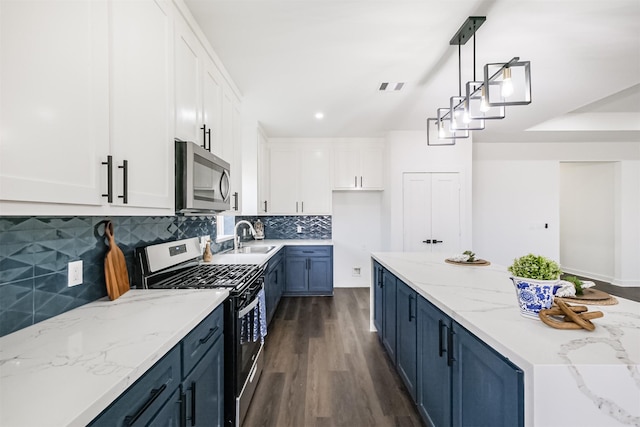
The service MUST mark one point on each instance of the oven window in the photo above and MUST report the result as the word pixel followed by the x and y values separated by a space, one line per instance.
pixel 249 345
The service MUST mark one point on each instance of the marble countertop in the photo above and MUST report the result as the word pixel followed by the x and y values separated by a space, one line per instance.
pixel 65 370
pixel 595 374
pixel 231 258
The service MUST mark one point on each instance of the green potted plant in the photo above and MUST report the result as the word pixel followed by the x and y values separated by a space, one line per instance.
pixel 536 279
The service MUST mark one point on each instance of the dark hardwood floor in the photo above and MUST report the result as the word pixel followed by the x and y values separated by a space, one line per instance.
pixel 323 367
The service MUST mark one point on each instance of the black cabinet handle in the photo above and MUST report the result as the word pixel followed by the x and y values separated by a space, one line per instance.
pixel 355 181
pixel 193 403
pixel 296 207
pixel 109 164
pixel 209 335
pixel 426 241
pixel 276 278
pixel 183 409
pixel 380 278
pixel 129 420
pixel 209 140
pixel 441 349
pixel 125 181
pixel 265 206
pixel 360 182
pixel 235 198
pixel 302 207
pixel 204 136
pixel 450 358
pixel 437 241
pixel 411 316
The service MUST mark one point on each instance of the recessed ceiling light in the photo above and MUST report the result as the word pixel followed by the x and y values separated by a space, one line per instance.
pixel 319 115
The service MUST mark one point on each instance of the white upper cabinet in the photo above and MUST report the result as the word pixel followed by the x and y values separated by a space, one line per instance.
pixel 141 103
pixel 87 101
pixel 188 84
pixel 299 179
pixel 54 103
pixel 358 166
pixel 92 95
pixel 263 173
pixel 212 84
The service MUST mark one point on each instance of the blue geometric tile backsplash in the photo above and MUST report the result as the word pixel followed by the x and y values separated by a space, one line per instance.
pixel 35 251
pixel 285 227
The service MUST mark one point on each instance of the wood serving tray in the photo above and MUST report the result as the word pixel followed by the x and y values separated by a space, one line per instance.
pixel 590 294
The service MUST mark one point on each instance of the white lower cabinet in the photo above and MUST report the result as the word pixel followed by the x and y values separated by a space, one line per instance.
pixel 299 179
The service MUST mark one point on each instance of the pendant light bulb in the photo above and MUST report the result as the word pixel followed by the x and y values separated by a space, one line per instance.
pixel 465 113
pixel 484 105
pixel 507 84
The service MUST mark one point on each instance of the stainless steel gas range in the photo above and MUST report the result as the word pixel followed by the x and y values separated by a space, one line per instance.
pixel 176 265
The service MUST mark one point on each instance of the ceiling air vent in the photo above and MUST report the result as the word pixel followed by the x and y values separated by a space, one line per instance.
pixel 391 86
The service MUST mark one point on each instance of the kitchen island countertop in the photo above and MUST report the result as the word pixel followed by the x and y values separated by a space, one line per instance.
pixel 65 370
pixel 572 377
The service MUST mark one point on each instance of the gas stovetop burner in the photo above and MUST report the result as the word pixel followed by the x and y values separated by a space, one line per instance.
pixel 208 276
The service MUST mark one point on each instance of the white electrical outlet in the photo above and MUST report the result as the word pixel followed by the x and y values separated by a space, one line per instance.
pixel 355 271
pixel 74 273
pixel 299 229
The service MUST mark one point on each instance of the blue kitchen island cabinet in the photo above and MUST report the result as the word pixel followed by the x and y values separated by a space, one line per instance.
pixel 406 324
pixel 309 270
pixel 377 296
pixel 389 313
pixel 186 387
pixel 487 389
pixel 461 380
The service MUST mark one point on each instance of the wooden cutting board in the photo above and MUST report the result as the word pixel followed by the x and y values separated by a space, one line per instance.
pixel 115 267
pixel 590 294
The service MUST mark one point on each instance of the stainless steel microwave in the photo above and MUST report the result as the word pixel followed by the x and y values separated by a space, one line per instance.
pixel 202 180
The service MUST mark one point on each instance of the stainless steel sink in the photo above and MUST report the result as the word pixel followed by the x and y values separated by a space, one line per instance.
pixel 253 250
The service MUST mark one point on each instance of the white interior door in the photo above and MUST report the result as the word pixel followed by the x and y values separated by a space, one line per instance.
pixel 416 196
pixel 431 206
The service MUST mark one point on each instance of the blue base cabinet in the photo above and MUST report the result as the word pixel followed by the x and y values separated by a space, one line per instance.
pixel 406 325
pixel 389 313
pixel 186 387
pixel 488 390
pixel 454 378
pixel 203 389
pixel 376 274
pixel 274 283
pixel 309 270
pixel 434 373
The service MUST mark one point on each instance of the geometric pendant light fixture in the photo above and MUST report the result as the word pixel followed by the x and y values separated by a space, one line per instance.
pixel 504 84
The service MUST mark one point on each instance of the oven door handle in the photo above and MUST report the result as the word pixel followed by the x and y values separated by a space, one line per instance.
pixel 248 308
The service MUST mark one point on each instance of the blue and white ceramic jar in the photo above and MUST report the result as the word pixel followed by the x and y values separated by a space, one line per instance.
pixel 534 295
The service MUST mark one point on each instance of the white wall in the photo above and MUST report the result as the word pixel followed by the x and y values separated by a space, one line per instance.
pixel 587 222
pixel 513 202
pixel 508 173
pixel 357 225
pixel 408 152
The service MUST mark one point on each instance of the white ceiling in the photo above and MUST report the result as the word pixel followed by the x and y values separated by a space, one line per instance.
pixel 294 58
